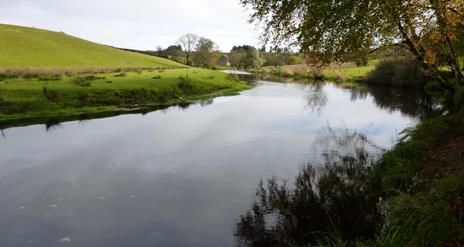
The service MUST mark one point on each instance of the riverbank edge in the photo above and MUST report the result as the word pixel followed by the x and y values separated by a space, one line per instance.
pixel 72 114
pixel 422 178
pixel 350 76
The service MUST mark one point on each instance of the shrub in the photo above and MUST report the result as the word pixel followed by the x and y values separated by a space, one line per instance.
pixel 318 74
pixel 85 81
pixel 233 77
pixel 340 76
pixel 156 77
pixel 185 84
pixel 397 72
pixel 82 97
pixel 50 94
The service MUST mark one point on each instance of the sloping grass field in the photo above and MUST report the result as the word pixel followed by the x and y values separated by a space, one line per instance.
pixel 31 47
pixel 51 74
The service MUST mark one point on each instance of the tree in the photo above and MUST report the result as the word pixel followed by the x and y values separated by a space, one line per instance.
pixel 205 53
pixel 174 52
pixel 236 56
pixel 331 29
pixel 244 57
pixel 188 42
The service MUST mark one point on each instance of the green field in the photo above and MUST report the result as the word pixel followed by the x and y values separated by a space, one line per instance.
pixel 77 94
pixel 51 74
pixel 31 47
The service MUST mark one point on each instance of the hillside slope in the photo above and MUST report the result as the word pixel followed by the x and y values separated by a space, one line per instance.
pixel 31 47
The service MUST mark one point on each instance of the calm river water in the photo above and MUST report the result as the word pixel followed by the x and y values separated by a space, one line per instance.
pixel 180 176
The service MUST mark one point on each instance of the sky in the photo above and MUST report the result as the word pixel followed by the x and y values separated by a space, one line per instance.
pixel 136 24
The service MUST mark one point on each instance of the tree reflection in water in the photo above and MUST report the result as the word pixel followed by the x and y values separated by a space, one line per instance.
pixel 338 198
pixel 413 103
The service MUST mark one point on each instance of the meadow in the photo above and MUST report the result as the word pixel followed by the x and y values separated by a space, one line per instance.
pixel 26 47
pixel 119 91
pixel 50 74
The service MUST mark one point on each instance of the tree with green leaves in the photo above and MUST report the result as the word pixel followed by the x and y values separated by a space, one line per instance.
pixel 174 52
pixel 329 30
pixel 245 57
pixel 205 55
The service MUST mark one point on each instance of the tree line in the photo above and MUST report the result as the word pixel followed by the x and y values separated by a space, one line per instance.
pixel 194 50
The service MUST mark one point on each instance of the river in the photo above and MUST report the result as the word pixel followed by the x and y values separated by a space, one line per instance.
pixel 181 176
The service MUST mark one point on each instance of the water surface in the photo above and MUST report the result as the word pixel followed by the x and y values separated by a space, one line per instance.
pixel 175 177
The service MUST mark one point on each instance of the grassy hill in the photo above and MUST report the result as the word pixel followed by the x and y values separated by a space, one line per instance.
pixel 32 47
pixel 45 74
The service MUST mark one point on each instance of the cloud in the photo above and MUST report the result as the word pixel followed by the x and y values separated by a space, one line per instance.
pixel 138 24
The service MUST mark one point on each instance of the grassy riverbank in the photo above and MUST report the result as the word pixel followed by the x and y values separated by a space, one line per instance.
pixel 423 181
pixel 337 73
pixel 89 93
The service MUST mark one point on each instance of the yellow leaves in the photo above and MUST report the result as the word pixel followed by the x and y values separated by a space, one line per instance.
pixel 430 56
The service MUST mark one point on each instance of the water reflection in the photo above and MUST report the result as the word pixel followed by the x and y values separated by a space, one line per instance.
pixel 337 199
pixel 178 176
pixel 413 103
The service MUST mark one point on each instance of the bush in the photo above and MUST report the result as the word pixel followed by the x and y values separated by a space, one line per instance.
pixel 233 77
pixel 397 72
pixel 85 81
pixel 50 94
pixel 82 97
pixel 185 84
pixel 156 77
pixel 318 74
pixel 340 76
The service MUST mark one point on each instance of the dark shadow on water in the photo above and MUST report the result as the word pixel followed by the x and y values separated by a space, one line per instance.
pixel 327 201
pixel 412 103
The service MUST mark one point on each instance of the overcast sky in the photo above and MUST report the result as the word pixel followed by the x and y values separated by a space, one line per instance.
pixel 137 24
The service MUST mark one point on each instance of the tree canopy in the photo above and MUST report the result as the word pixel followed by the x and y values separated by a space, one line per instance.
pixel 205 53
pixel 245 57
pixel 330 30
pixel 188 43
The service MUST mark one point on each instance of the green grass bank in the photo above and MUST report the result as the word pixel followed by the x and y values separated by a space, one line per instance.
pixel 337 73
pixel 89 93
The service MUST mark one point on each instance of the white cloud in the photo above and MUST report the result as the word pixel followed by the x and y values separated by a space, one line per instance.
pixel 138 24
